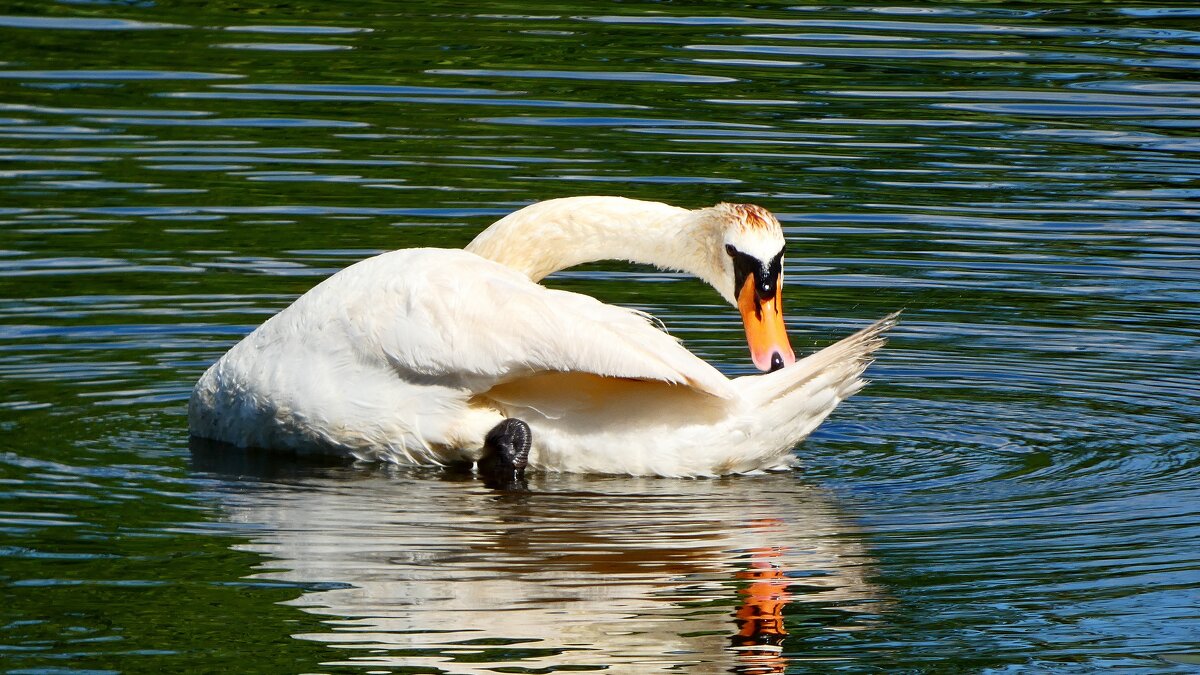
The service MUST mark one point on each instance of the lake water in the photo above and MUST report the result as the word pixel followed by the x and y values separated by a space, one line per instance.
pixel 1016 490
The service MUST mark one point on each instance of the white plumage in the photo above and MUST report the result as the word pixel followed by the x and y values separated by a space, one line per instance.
pixel 412 356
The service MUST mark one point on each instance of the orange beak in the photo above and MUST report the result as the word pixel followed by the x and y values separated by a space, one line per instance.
pixel 765 332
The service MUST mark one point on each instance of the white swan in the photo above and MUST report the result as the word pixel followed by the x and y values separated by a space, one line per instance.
pixel 413 356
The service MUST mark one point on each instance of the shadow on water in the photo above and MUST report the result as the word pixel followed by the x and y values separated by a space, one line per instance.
pixel 233 463
pixel 425 568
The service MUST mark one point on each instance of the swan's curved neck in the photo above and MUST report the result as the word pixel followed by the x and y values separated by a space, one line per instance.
pixel 561 233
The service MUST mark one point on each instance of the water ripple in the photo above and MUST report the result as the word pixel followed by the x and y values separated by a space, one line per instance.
pixel 865 52
pixel 282 46
pixel 115 75
pixel 79 23
pixel 299 29
pixel 609 76
pixel 1014 491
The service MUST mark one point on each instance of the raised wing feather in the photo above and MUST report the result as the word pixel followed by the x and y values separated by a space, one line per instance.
pixel 451 317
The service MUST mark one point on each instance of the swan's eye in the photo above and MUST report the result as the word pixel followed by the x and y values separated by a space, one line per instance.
pixel 730 250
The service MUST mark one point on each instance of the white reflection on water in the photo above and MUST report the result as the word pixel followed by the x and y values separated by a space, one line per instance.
pixel 636 575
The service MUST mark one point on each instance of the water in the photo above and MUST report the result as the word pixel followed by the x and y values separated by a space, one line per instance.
pixel 1016 490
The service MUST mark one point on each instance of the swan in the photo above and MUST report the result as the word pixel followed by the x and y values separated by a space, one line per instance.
pixel 417 356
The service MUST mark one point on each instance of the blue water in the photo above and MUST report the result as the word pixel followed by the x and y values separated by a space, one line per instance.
pixel 1014 491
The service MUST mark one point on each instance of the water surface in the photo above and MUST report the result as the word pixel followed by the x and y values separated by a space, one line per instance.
pixel 1015 490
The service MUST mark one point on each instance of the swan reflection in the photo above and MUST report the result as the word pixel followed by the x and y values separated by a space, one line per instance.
pixel 632 575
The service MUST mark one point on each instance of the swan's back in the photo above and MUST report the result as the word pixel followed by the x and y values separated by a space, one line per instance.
pixel 316 376
pixel 383 358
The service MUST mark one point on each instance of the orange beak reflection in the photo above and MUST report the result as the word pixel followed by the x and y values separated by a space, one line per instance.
pixel 765 332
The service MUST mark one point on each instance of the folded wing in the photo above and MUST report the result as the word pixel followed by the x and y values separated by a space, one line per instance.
pixel 456 319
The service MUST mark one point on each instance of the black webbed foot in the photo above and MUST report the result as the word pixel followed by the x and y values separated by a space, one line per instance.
pixel 505 455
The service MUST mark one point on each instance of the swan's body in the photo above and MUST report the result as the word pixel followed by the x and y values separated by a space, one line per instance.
pixel 413 355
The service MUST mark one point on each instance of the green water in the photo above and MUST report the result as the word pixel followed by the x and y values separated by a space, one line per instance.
pixel 1015 491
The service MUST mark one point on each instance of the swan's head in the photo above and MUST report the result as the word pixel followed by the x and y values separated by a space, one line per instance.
pixel 750 277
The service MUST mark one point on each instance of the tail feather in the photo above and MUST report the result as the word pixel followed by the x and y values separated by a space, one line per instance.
pixel 788 404
pixel 846 359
